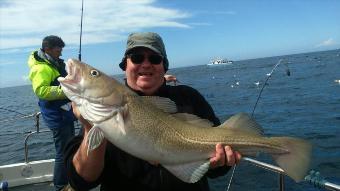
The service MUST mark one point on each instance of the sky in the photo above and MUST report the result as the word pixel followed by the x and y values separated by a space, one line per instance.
pixel 194 31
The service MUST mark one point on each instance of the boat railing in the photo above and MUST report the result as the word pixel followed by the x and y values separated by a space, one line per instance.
pixel 37 126
pixel 269 167
pixel 313 178
pixel 37 130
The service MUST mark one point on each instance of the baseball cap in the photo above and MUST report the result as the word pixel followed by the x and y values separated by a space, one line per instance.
pixel 149 40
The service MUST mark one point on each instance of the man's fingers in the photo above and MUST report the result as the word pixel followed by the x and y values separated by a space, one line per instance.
pixel 238 157
pixel 230 157
pixel 224 156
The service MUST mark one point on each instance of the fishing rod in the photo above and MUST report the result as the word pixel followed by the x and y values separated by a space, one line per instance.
pixel 265 83
pixel 81 29
pixel 257 100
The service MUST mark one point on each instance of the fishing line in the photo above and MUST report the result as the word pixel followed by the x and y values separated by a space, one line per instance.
pixel 23 116
pixel 16 118
pixel 78 127
pixel 231 177
pixel 15 133
pixel 13 111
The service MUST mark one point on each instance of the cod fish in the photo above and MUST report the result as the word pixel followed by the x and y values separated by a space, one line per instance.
pixel 150 128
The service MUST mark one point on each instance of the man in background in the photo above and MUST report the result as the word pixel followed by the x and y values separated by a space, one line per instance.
pixel 45 67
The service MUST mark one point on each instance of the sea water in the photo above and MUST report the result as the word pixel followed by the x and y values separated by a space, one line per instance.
pixel 304 104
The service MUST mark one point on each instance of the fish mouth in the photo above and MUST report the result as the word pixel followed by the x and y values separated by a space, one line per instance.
pixel 73 79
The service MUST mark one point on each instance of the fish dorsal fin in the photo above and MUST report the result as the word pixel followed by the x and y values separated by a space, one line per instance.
pixel 94 138
pixel 189 172
pixel 193 119
pixel 165 104
pixel 243 122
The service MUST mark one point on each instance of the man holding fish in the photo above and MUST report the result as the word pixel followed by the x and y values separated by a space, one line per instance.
pixel 145 63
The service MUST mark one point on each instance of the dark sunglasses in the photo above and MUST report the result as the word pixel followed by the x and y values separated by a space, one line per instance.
pixel 154 59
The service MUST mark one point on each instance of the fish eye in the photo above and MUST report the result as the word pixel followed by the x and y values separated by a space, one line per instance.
pixel 94 73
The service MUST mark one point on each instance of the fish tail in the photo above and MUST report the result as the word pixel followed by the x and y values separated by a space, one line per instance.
pixel 296 161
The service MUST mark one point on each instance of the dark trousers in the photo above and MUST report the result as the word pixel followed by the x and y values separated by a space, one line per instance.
pixel 61 136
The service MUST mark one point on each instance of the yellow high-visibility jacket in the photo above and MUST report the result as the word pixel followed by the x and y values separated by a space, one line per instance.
pixel 43 75
pixel 52 101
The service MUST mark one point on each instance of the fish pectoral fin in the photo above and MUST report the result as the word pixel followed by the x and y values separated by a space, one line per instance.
pixel 120 122
pixel 94 138
pixel 189 172
pixel 165 104
pixel 193 119
pixel 243 122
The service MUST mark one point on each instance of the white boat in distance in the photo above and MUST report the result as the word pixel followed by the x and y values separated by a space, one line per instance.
pixel 220 61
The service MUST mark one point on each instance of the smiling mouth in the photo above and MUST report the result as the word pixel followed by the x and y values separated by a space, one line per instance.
pixel 147 74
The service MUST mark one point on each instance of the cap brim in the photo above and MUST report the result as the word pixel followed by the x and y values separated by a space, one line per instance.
pixel 145 46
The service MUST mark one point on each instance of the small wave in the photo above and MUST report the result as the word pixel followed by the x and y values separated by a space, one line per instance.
pixel 319 136
pixel 323 165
